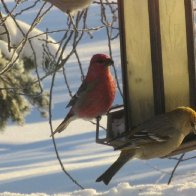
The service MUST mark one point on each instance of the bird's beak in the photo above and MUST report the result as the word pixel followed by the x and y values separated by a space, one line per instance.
pixel 109 62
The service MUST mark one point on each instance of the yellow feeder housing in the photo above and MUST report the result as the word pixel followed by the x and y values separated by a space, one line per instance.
pixel 157 56
pixel 157 53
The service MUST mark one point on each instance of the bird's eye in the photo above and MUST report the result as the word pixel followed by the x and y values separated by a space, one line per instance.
pixel 100 61
pixel 192 124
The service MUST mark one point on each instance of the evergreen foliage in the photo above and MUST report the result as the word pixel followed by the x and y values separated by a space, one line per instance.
pixel 19 91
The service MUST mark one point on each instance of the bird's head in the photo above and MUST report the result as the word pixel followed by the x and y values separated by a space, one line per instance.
pixel 101 60
pixel 193 121
pixel 189 116
pixel 99 66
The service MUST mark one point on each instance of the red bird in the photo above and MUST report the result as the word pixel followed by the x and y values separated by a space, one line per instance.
pixel 96 94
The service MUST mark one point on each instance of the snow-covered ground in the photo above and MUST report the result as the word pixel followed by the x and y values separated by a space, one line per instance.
pixel 28 164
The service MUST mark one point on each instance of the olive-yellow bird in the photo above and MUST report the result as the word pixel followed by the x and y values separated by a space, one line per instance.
pixel 154 138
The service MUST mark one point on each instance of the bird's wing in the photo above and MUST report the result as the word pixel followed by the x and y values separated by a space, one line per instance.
pixel 154 131
pixel 81 89
pixel 85 87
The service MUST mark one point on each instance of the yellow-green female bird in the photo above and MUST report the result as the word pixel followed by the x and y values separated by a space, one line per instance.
pixel 154 138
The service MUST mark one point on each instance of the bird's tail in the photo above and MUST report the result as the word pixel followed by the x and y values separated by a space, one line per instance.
pixel 70 117
pixel 115 167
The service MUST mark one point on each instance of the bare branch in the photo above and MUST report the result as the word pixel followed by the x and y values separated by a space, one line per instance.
pixel 176 166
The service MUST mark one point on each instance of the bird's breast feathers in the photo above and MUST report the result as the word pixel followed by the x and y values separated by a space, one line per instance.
pixel 96 100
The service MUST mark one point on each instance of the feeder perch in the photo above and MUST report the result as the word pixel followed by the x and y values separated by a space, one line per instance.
pixel 115 127
pixel 158 65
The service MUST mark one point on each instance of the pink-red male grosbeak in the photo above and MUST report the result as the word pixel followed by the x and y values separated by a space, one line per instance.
pixel 154 138
pixel 96 94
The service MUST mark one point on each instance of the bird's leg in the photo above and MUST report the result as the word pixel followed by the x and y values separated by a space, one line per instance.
pixel 72 21
pixel 98 118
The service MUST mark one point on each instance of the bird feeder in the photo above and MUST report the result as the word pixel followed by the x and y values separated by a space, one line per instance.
pixel 157 55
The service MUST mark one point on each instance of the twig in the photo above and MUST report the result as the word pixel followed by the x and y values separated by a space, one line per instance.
pixel 7 33
pixel 53 138
pixel 176 166
pixel 105 21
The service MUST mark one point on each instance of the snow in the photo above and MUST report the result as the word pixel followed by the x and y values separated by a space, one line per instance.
pixel 38 43
pixel 125 189
pixel 4 50
pixel 29 165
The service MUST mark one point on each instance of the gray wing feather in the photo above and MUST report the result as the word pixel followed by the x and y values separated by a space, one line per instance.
pixel 74 99
pixel 155 130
